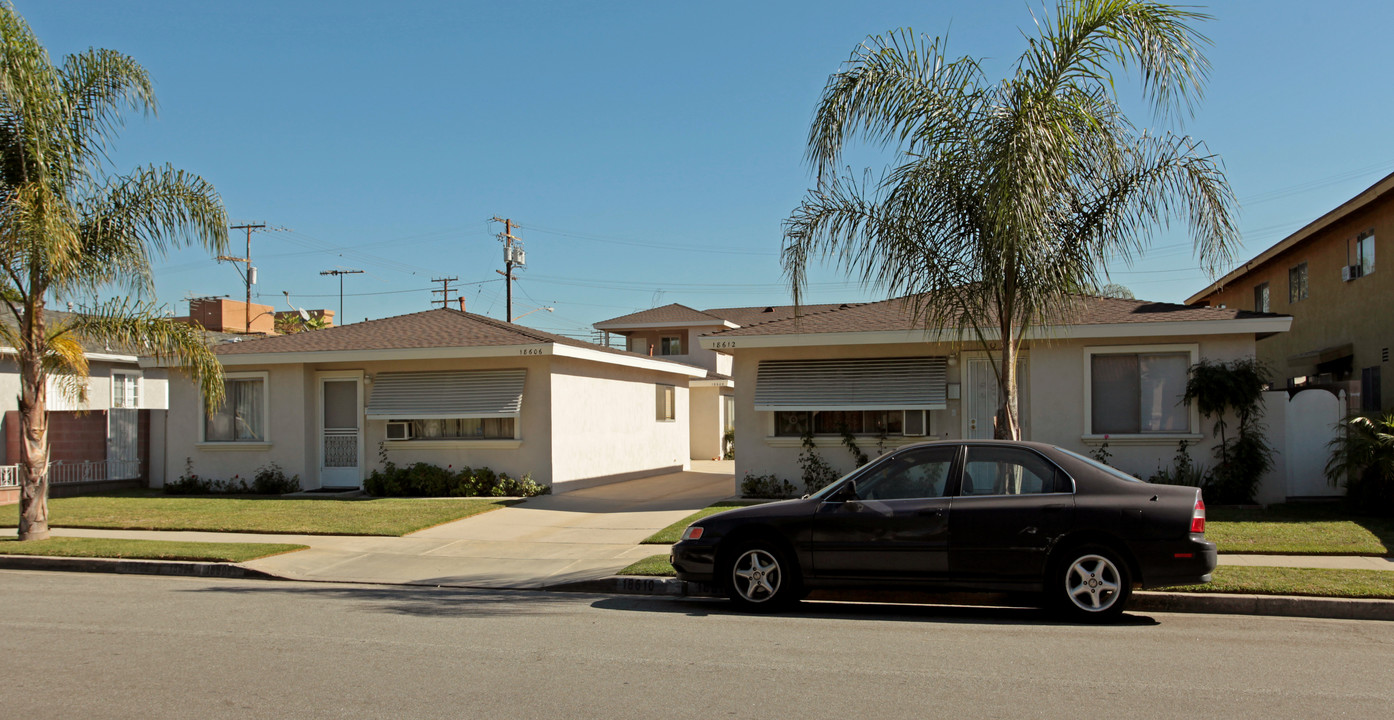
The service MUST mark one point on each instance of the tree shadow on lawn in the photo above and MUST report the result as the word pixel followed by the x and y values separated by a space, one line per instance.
pixel 838 610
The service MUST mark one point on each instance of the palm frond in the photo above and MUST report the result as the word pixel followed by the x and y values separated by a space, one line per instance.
pixel 140 328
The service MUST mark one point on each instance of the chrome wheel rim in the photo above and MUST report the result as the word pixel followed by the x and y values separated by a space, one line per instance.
pixel 1092 583
pixel 756 576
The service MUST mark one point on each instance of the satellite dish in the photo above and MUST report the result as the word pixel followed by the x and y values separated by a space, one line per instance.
pixel 303 315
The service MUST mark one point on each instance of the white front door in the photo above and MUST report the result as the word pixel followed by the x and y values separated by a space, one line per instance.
pixel 979 397
pixel 341 431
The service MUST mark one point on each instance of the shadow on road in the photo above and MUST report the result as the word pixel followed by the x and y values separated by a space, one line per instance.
pixel 894 612
pixel 404 599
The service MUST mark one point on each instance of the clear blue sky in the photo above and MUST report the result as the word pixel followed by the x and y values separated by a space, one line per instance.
pixel 649 150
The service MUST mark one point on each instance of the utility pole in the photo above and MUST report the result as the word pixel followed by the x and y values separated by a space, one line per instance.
pixel 444 290
pixel 512 255
pixel 341 274
pixel 249 277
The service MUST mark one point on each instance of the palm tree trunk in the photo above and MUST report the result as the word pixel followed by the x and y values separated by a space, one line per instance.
pixel 1005 425
pixel 33 424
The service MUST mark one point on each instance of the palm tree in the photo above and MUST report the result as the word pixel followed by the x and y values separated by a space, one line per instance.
pixel 1362 458
pixel 1010 196
pixel 67 229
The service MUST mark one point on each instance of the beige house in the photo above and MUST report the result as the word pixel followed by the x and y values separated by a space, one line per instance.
pixel 1115 375
pixel 1325 276
pixel 672 332
pixel 444 387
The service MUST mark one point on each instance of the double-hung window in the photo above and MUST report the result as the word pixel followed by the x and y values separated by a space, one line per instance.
pixel 1261 298
pixel 1138 391
pixel 125 390
pixel 1365 252
pixel 243 415
pixel 1297 283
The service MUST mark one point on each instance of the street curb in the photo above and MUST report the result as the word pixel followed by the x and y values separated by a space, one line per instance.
pixel 178 568
pixel 1142 601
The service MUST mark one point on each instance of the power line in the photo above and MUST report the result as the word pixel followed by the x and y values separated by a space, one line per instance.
pixel 341 274
pixel 444 291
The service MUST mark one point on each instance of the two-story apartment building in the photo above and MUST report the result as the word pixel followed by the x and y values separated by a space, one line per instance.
pixel 1326 277
pixel 671 332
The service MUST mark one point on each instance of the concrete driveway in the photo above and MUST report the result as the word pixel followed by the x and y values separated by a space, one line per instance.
pixel 581 535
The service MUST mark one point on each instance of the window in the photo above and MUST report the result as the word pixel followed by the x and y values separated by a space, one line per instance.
pixel 795 423
pixel 729 401
pixel 463 428
pixel 667 402
pixel 125 390
pixel 1006 471
pixel 1365 252
pixel 1261 297
pixel 1297 283
pixel 1138 392
pixel 670 346
pixel 242 416
pixel 920 473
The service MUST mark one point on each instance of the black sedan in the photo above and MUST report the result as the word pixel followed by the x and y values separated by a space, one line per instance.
pixel 991 516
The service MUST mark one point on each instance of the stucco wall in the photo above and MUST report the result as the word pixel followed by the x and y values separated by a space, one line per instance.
pixel 606 423
pixel 1053 413
pixel 294 432
pixel 1335 312
pixel 705 430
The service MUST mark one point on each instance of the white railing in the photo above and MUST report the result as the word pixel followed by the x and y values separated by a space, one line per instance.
pixel 75 472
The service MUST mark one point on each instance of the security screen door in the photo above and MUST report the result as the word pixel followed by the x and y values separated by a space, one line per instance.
pixel 341 432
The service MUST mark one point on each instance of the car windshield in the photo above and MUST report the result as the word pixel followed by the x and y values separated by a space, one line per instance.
pixel 1095 463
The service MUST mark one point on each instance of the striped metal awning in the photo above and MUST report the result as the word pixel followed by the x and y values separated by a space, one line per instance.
pixel 912 383
pixel 447 394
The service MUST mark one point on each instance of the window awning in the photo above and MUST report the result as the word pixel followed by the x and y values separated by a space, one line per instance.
pixel 914 383
pixel 446 394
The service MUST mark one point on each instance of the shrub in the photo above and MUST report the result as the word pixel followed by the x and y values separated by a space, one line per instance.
pixel 1362 457
pixel 766 486
pixel 428 480
pixel 271 480
pixel 816 471
pixel 1235 387
pixel 1183 471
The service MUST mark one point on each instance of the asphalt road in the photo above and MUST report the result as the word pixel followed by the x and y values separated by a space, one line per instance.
pixel 103 646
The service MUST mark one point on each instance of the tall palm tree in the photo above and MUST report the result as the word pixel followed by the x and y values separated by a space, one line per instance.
pixel 67 228
pixel 1010 197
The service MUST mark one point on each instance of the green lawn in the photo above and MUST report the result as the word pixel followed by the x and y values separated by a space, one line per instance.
pixel 1317 582
pixel 1227 579
pixel 304 516
pixel 672 533
pixel 1299 529
pixel 144 549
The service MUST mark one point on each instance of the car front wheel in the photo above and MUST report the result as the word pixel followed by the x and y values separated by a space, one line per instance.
pixel 759 577
pixel 1092 583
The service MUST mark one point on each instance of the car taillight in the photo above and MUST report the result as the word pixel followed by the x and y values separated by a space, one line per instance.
pixel 694 532
pixel 1198 516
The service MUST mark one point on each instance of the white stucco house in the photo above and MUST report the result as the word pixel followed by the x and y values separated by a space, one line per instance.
pixel 1115 374
pixel 444 387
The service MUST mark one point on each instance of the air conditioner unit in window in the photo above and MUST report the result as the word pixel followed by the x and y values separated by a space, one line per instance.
pixel 399 430
pixel 1350 272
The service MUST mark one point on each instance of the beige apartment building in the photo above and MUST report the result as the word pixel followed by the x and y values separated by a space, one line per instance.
pixel 1326 277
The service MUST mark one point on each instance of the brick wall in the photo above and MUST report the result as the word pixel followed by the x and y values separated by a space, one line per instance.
pixel 72 437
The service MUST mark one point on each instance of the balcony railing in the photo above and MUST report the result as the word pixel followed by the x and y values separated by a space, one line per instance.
pixel 75 472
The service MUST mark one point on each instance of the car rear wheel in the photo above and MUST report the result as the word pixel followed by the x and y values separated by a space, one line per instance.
pixel 1091 583
pixel 760 577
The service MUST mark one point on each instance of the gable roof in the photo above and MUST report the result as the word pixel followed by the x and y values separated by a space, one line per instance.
pixel 1097 317
pixel 1359 202
pixel 675 315
pixel 440 333
pixel 671 314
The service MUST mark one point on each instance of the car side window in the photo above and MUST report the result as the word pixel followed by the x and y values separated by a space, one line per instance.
pixel 919 473
pixel 992 470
